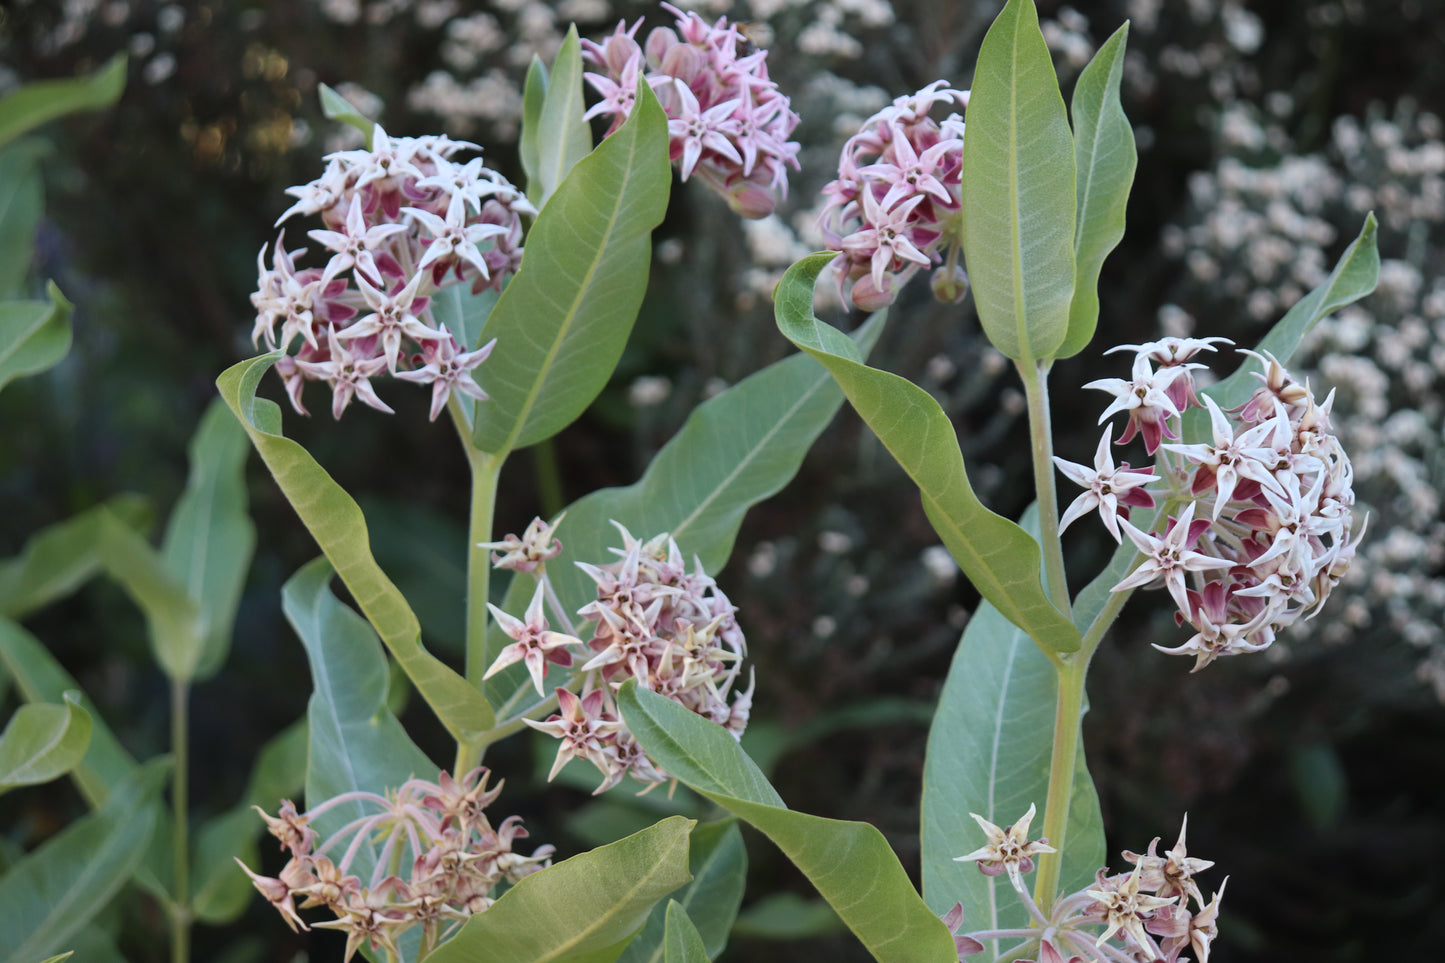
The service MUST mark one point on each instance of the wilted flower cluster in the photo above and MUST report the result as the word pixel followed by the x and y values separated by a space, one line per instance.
pixel 727 122
pixel 457 860
pixel 897 202
pixel 672 630
pixel 1152 914
pixel 1262 530
pixel 402 221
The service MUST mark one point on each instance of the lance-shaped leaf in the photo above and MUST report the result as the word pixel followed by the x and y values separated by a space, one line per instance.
pixel 33 104
pixel 34 335
pixel 53 891
pixel 336 522
pixel 719 865
pixel 988 753
pixel 338 108
pixel 21 198
pixel 42 741
pixel 529 143
pixel 850 863
pixel 1104 157
pixel 735 450
pixel 220 893
pixel 562 136
pixel 173 619
pixel 209 540
pixel 682 940
pixel 59 559
pixel 582 909
pixel 355 743
pixel 999 557
pixel 563 320
pixel 1018 190
pixel 41 678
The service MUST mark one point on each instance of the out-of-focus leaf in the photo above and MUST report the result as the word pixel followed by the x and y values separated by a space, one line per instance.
pixel 581 909
pixel 59 559
pixel 51 893
pixel 338 108
pixel 355 743
pixel 34 335
pixel 1104 158
pixel 850 863
pixel 683 943
pixel 529 145
pixel 988 753
pixel 339 528
pixel 43 741
pixel 173 619
pixel 563 137
pixel 565 316
pixel 1320 783
pixel 59 959
pixel 787 916
pixel 220 892
pixel 21 199
pixel 421 546
pixel 1018 190
pixel 718 862
pixel 41 678
pixel 736 449
pixel 999 557
pixel 766 742
pixel 31 105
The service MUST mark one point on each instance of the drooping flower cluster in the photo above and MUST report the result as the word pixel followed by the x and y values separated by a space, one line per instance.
pixel 457 858
pixel 1259 529
pixel 727 122
pixel 1152 914
pixel 402 221
pixel 897 204
pixel 653 620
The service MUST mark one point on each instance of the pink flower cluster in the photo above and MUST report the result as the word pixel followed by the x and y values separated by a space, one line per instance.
pixel 653 620
pixel 457 859
pixel 727 122
pixel 898 200
pixel 402 221
pixel 1263 525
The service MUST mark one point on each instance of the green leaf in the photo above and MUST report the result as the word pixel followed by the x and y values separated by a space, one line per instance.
pixel 34 335
pixel 43 741
pixel 736 449
pixel 529 146
pixel 999 557
pixel 684 944
pixel 718 862
pixel 33 104
pixel 59 559
pixel 21 199
pixel 338 108
pixel 42 679
pixel 581 909
pixel 564 318
pixel 988 753
pixel 563 137
pixel 1354 276
pixel 59 959
pixel 220 894
pixel 1018 190
pixel 173 619
pixel 209 540
pixel 1105 157
pixel 849 862
pixel 787 916
pixel 355 743
pixel 339 528
pixel 51 893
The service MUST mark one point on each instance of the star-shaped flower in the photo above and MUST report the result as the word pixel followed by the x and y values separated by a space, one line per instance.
pixel 1007 850
pixel 1171 556
pixel 534 643
pixel 1111 490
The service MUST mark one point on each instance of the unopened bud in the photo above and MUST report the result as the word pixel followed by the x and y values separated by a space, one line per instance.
pixel 950 284
pixel 659 42
pixel 751 200
pixel 868 297
pixel 682 61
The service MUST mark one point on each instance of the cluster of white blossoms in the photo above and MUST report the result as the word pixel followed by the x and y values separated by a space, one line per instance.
pixel 402 221
pixel 1152 914
pixel 672 630
pixel 1263 530
pixel 457 859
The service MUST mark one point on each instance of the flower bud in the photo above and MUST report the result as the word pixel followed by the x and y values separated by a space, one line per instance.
pixel 751 200
pixel 868 297
pixel 659 42
pixel 950 284
pixel 683 61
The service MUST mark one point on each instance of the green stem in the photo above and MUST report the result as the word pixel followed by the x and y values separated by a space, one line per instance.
pixel 549 478
pixel 1041 434
pixel 180 836
pixel 485 469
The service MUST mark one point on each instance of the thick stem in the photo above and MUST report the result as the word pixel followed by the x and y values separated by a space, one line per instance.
pixel 485 469
pixel 180 836
pixel 1041 435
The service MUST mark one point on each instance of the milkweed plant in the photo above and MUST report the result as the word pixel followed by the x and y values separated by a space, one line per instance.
pixel 1216 472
